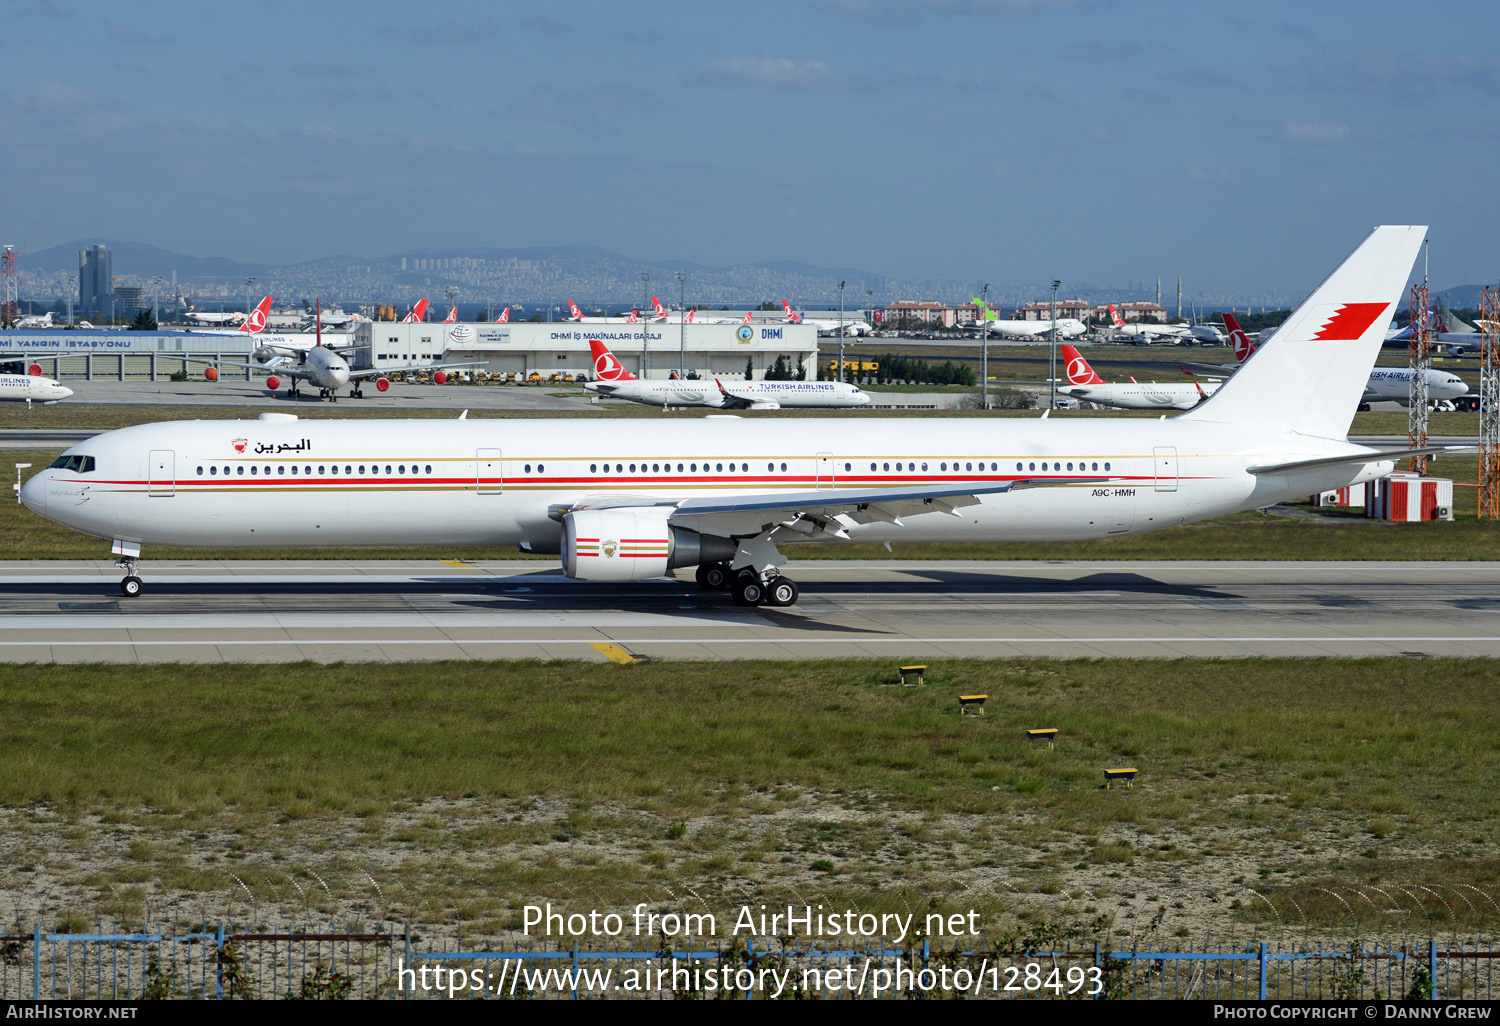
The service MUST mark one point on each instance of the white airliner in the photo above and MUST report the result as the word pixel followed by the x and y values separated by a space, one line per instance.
pixel 1386 384
pixel 576 315
pixel 318 364
pixel 1145 329
pixel 631 500
pixel 854 326
pixel 613 380
pixel 36 320
pixel 1067 327
pixel 1084 383
pixel 31 388
pixel 254 322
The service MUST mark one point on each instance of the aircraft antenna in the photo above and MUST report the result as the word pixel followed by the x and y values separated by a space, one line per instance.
pixel 1489 404
pixel 1419 351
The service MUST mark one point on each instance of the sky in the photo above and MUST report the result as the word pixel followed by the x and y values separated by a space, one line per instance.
pixel 1244 146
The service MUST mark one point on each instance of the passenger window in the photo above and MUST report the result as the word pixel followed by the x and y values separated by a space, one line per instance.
pixel 252 471
pixel 1033 466
pixel 1018 466
pixel 200 471
pixel 240 470
pixel 1106 466
pixel 593 468
pixel 541 468
pixel 281 470
pixel 401 469
pixel 942 466
pixel 213 471
pixel 783 467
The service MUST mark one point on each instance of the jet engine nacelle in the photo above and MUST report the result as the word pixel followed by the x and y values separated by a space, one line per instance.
pixel 765 404
pixel 35 370
pixel 211 374
pixel 273 383
pixel 440 378
pixel 633 545
pixel 383 384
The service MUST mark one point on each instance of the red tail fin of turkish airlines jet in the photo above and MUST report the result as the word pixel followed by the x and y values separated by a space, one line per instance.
pixel 635 315
pixel 418 313
pixel 656 304
pixel 452 316
pixel 747 318
pixel 607 366
pixel 573 309
pixel 256 322
pixel 1243 347
pixel 689 318
pixel 790 313
pixel 1079 371
pixel 504 317
pixel 1115 318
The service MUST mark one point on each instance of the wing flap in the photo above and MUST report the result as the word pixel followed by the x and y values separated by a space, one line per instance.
pixel 1374 456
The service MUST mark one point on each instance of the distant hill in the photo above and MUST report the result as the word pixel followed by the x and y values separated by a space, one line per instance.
pixel 141 260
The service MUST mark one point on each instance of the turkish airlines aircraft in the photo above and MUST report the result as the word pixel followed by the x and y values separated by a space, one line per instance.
pixel 613 380
pixel 452 317
pixel 633 499
pixel 854 327
pixel 1386 384
pixel 31 388
pixel 254 322
pixel 1084 383
pixel 417 314
pixel 321 365
pixel 504 317
pixel 577 316
pixel 1145 329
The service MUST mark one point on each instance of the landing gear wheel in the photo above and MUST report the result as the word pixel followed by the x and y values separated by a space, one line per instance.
pixel 748 591
pixel 713 576
pixel 131 586
pixel 782 592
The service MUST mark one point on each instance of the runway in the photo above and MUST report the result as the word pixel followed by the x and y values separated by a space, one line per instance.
pixel 266 612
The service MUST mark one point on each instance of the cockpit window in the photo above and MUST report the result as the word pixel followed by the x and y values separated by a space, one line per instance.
pixel 78 464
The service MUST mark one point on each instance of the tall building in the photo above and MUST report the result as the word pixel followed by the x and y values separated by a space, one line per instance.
pixel 95 282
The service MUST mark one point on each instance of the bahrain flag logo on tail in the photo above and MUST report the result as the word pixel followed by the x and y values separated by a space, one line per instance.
pixel 1349 322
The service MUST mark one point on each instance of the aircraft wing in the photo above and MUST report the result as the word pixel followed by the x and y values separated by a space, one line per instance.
pixel 833 510
pixel 375 372
pixel 1361 457
pixel 741 402
pixel 281 366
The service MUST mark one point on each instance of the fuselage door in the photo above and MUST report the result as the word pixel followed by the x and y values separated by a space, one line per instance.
pixel 825 469
pixel 161 473
pixel 488 479
pixel 1166 468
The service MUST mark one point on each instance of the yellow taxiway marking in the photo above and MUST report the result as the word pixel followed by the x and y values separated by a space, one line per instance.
pixel 614 653
pixel 457 562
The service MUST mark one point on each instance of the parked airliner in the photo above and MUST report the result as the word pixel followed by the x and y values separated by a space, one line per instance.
pixel 1067 327
pixel 1084 383
pixel 31 388
pixel 632 499
pixel 613 380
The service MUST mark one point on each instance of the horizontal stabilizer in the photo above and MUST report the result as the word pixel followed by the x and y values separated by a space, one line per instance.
pixel 1360 457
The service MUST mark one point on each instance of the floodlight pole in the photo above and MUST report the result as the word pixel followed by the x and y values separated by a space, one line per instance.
pixel 841 330
pixel 1055 286
pixel 682 326
pixel 984 348
pixel 645 327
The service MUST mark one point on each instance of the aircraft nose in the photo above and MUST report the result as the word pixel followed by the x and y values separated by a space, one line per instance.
pixel 34 494
pixel 64 391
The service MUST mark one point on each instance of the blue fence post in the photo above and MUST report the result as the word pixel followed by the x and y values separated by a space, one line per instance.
pixel 575 970
pixel 1432 966
pixel 406 931
pixel 36 962
pixel 219 962
pixel 1099 964
pixel 1262 970
pixel 750 961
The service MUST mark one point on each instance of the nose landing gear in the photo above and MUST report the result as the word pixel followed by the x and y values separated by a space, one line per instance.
pixel 131 586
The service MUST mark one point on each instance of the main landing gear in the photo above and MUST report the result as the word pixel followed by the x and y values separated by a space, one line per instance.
pixel 131 586
pixel 748 587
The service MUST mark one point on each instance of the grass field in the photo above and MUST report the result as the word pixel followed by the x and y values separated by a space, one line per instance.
pixel 451 794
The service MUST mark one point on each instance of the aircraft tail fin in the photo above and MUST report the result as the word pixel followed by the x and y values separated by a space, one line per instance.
pixel 573 309
pixel 1115 318
pixel 504 317
pixel 607 366
pixel 688 317
pixel 256 322
pixel 1079 371
pixel 452 316
pixel 661 311
pixel 635 315
pixel 1243 347
pixel 1312 378
pixel 418 313
pixel 1451 323
pixel 747 318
